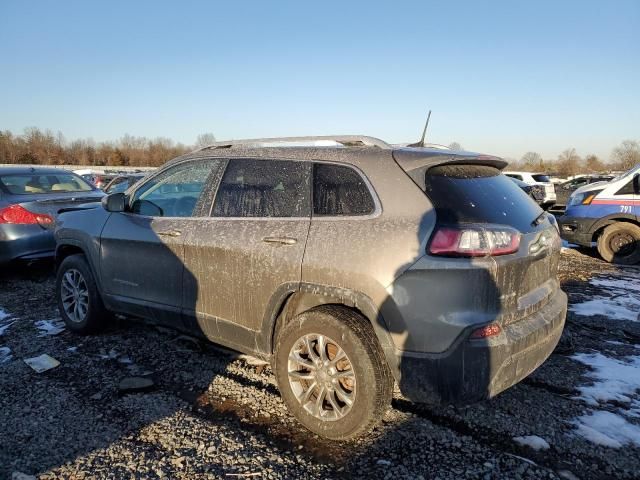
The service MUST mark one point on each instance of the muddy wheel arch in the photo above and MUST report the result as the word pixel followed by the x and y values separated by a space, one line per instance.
pixel 287 302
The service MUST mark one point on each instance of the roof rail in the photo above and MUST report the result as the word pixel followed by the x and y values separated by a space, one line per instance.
pixel 344 140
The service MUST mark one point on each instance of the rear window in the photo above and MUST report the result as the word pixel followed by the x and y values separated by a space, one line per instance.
pixel 479 194
pixel 32 184
pixel 541 178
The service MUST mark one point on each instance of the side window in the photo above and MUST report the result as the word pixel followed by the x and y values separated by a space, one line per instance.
pixel 512 175
pixel 627 189
pixel 340 190
pixel 174 192
pixel 264 188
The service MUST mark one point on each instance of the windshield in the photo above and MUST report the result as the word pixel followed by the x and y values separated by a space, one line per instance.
pixel 33 184
pixel 628 172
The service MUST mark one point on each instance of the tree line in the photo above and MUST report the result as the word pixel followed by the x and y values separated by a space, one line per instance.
pixel 40 147
pixel 623 157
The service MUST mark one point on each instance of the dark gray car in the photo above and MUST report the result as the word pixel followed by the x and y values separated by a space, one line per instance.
pixel 348 264
pixel 30 199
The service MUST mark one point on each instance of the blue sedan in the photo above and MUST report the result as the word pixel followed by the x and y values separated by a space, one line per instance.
pixel 30 200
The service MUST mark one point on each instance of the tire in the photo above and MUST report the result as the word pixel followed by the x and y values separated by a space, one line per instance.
pixel 368 379
pixel 74 268
pixel 620 243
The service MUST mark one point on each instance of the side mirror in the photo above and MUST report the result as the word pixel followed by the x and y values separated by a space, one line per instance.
pixel 114 202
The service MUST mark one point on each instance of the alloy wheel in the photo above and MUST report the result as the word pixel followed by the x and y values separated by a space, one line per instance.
pixel 75 295
pixel 322 377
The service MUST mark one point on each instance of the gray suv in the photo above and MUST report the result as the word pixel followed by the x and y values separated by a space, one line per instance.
pixel 348 264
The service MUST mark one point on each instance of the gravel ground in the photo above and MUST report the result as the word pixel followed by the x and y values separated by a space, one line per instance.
pixel 211 413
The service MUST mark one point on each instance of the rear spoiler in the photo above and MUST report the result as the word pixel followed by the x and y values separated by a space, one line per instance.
pixel 412 158
pixel 415 162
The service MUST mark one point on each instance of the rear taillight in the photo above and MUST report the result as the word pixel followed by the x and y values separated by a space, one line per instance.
pixel 18 215
pixel 490 330
pixel 474 241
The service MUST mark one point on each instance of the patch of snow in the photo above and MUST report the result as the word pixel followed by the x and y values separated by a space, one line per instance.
pixel 613 379
pixel 4 315
pixel 620 302
pixel 625 283
pixel 3 328
pixel 532 441
pixel 49 327
pixel 5 354
pixel 72 349
pixel 607 429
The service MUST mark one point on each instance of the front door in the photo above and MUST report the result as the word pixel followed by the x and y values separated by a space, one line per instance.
pixel 142 254
pixel 248 249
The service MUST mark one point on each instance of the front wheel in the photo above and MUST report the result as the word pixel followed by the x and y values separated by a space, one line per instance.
pixel 620 243
pixel 79 302
pixel 332 373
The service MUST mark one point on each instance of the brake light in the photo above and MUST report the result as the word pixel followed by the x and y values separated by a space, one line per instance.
pixel 18 215
pixel 474 241
pixel 490 330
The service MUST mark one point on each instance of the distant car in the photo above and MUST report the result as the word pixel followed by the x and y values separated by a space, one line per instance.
pixel 122 182
pixel 30 200
pixel 537 179
pixel 607 213
pixel 536 192
pixel 565 189
pixel 101 180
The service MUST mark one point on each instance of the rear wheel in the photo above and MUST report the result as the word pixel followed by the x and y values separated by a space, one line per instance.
pixel 331 372
pixel 620 243
pixel 79 302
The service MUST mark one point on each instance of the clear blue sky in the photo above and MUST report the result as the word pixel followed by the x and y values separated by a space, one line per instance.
pixel 501 77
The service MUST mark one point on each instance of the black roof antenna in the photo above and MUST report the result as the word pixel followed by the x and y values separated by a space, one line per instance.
pixel 424 134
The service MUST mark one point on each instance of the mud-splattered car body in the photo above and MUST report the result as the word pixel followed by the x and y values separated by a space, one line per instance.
pixel 453 327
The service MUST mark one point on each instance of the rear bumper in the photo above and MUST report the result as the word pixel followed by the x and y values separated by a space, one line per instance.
pixel 577 230
pixel 25 242
pixel 474 370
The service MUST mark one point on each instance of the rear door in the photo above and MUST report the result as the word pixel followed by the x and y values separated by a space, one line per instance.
pixel 249 249
pixel 142 261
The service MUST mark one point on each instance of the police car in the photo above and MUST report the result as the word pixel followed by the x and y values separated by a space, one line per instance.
pixel 607 213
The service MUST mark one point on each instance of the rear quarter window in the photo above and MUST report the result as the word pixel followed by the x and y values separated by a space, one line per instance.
pixel 479 194
pixel 340 191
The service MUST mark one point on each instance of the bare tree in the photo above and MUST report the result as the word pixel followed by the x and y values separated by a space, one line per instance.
pixel 627 155
pixel 593 164
pixel 205 139
pixel 568 162
pixel 532 161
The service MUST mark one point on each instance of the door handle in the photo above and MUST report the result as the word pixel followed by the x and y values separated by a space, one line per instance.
pixel 170 233
pixel 280 240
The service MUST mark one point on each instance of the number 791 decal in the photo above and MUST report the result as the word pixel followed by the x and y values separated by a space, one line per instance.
pixel 625 208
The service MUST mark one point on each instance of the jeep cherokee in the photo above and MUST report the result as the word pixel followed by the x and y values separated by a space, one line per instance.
pixel 348 264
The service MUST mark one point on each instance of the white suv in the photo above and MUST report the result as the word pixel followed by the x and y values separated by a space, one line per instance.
pixel 538 179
